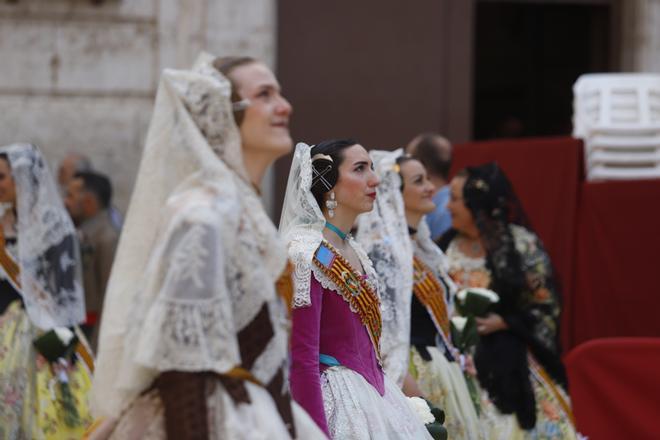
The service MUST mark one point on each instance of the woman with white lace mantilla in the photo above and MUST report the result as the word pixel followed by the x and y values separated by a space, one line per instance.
pixel 493 246
pixel 416 292
pixel 45 370
pixel 336 373
pixel 194 336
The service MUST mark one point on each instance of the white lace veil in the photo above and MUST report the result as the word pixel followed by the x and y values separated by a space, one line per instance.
pixel 48 252
pixel 301 223
pixel 383 233
pixel 193 142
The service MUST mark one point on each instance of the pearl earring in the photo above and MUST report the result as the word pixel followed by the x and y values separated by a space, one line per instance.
pixel 331 204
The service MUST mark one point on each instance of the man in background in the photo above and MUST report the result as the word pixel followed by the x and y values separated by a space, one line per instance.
pixel 70 165
pixel 88 197
pixel 434 152
pixel 73 163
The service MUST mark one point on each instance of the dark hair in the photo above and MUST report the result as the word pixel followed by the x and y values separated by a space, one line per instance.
pixel 97 184
pixel 4 156
pixel 400 161
pixel 326 172
pixel 226 65
pixel 426 149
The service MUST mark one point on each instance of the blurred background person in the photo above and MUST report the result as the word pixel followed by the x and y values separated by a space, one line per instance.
pixel 88 198
pixel 74 163
pixel 416 292
pixel 493 246
pixel 434 152
pixel 44 390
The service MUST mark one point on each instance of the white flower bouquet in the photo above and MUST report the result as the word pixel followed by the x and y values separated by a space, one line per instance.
pixel 475 301
pixel 470 303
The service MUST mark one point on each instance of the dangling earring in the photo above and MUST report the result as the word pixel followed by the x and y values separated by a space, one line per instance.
pixel 331 204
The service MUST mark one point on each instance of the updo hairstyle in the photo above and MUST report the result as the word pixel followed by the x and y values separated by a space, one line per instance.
pixel 327 156
pixel 400 161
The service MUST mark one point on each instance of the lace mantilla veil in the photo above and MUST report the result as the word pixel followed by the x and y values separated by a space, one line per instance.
pixel 191 189
pixel 48 252
pixel 430 253
pixel 383 233
pixel 301 226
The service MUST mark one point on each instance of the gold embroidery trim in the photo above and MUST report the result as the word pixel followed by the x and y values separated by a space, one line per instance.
pixel 355 291
pixel 431 293
pixel 11 267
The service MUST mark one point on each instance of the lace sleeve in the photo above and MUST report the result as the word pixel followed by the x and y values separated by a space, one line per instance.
pixel 189 325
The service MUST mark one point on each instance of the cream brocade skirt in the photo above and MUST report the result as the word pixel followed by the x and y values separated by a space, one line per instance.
pixel 355 410
pixel 257 420
pixel 443 384
pixel 30 395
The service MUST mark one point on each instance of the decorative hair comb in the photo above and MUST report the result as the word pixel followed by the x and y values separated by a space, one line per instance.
pixel 319 175
pixel 241 105
pixel 322 156
pixel 481 185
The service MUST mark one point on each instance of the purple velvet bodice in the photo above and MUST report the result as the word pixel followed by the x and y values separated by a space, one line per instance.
pixel 328 327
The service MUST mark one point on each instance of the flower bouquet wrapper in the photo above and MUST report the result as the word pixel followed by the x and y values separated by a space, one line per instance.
pixel 55 344
pixel 464 333
pixel 58 346
pixel 432 417
pixel 475 302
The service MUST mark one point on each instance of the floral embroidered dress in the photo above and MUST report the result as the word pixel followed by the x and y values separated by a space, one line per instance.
pixel 30 400
pixel 335 371
pixel 38 263
pixel 539 311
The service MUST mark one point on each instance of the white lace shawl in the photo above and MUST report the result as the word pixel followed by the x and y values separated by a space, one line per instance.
pixel 47 246
pixel 383 233
pixel 198 256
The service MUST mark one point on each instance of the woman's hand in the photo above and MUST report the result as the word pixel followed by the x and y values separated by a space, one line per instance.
pixel 410 387
pixel 490 324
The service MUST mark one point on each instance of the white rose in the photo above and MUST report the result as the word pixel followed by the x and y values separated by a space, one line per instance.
pixel 64 335
pixel 421 408
pixel 459 322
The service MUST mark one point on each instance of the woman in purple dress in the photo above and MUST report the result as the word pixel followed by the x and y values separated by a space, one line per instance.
pixel 336 372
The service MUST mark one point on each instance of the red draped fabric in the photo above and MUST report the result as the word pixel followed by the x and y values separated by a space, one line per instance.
pixel 615 388
pixel 545 174
pixel 616 292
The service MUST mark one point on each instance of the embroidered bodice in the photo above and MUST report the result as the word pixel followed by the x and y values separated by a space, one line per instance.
pixel 330 326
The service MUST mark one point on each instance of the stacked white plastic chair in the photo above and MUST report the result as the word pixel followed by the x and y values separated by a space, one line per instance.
pixel 618 116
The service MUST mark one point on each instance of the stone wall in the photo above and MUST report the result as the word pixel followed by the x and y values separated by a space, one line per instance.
pixel 76 76
pixel 640 48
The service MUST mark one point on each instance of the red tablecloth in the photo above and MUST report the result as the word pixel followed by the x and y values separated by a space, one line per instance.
pixel 545 174
pixel 615 388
